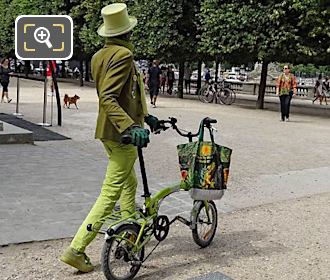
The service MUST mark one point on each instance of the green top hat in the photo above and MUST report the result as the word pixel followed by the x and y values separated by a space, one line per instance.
pixel 116 20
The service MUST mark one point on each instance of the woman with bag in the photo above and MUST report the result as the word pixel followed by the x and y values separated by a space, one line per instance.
pixel 286 88
pixel 4 78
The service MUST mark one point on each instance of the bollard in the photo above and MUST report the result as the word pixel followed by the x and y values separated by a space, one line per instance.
pixel 51 110
pixel 17 113
pixel 45 106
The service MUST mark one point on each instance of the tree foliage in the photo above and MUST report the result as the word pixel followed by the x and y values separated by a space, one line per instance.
pixel 87 18
pixel 251 30
pixel 11 9
pixel 272 30
pixel 166 29
pixel 310 70
pixel 6 27
pixel 240 32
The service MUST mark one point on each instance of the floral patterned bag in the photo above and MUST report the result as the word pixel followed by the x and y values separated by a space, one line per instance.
pixel 204 168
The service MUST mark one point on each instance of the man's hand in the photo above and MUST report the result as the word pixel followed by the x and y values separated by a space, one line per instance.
pixel 140 136
pixel 153 123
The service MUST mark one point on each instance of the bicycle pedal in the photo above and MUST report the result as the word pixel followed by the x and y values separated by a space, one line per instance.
pixel 136 263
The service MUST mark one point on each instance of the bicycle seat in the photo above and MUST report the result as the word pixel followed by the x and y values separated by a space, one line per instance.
pixel 207 121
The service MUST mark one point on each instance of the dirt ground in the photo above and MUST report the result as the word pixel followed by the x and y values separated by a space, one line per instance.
pixel 287 240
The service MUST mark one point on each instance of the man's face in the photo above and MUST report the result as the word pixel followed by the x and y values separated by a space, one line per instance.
pixel 286 69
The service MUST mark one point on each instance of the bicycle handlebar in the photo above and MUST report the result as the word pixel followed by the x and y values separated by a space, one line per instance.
pixel 127 139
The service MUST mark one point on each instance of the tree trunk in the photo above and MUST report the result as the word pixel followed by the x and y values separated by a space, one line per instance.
pixel 81 69
pixel 15 65
pixel 217 63
pixel 27 67
pixel 262 85
pixel 87 70
pixel 199 77
pixel 63 69
pixel 180 82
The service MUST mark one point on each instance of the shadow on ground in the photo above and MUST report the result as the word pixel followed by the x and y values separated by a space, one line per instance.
pixel 180 253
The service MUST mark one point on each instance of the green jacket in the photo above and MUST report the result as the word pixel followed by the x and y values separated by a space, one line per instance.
pixel 119 89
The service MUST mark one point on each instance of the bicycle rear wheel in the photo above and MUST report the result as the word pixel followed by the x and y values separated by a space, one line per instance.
pixel 206 224
pixel 206 94
pixel 227 96
pixel 119 259
pixel 233 97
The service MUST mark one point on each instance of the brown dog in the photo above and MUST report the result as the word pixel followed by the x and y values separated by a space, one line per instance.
pixel 70 100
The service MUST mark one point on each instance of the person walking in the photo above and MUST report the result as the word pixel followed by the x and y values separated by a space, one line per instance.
pixel 76 73
pixel 163 79
pixel 5 71
pixel 286 88
pixel 326 85
pixel 170 79
pixel 187 77
pixel 144 76
pixel 122 111
pixel 154 82
pixel 207 76
pixel 320 90
pixel 49 76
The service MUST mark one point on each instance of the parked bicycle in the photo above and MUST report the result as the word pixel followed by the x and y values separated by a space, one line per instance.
pixel 126 238
pixel 219 92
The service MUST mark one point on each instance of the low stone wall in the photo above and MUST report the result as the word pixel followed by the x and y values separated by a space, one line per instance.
pixel 305 92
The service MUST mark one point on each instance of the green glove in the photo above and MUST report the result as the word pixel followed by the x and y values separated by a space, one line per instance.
pixel 152 121
pixel 140 136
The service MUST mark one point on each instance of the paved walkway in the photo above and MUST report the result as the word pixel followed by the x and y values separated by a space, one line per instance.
pixel 47 189
pixel 288 240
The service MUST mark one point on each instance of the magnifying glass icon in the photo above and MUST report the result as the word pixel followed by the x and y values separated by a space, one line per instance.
pixel 41 35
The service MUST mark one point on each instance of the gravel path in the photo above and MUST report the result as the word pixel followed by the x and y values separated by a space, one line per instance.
pixel 286 240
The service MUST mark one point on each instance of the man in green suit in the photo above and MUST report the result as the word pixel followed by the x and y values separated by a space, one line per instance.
pixel 122 111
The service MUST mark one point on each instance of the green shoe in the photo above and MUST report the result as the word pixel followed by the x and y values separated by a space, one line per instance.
pixel 78 260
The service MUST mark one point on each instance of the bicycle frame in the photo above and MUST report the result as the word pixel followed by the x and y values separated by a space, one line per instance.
pixel 150 206
pixel 150 209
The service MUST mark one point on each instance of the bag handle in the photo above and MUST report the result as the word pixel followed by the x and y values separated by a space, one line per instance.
pixel 201 133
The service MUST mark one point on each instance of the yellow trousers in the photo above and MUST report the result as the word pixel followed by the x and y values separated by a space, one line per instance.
pixel 120 183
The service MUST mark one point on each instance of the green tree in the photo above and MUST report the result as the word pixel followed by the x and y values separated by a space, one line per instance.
pixel 11 9
pixel 167 30
pixel 6 25
pixel 250 30
pixel 87 19
pixel 309 70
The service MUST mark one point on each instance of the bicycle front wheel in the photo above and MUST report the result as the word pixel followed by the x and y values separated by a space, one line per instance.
pixel 206 95
pixel 120 260
pixel 206 224
pixel 233 93
pixel 227 96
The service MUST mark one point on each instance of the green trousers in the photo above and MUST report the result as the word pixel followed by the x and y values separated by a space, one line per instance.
pixel 120 183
